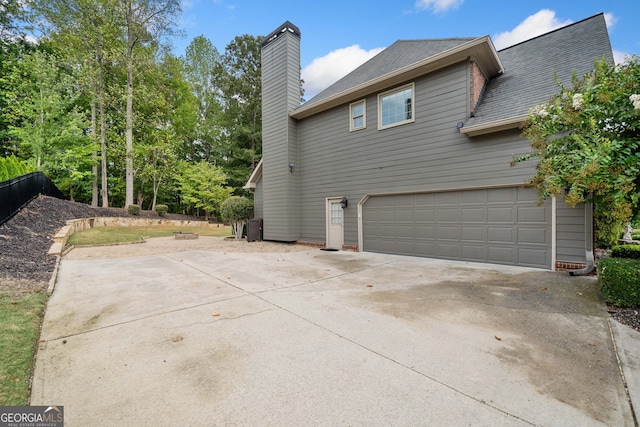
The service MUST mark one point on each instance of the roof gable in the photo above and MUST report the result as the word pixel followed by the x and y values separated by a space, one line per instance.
pixel 402 61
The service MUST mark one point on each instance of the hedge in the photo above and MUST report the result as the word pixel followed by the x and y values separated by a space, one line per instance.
pixel 626 251
pixel 620 281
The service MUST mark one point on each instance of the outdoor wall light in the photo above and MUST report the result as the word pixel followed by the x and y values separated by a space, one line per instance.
pixel 344 202
pixel 291 165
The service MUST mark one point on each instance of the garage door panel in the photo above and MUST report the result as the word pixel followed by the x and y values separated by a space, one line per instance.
pixel 532 235
pixel 386 245
pixel 501 235
pixel 425 214
pixel 501 195
pixel 405 200
pixel 426 247
pixel 531 257
pixel 445 250
pixel 473 253
pixel 446 232
pixel 425 200
pixel 500 214
pixel 492 225
pixel 405 247
pixel 387 230
pixel 447 215
pixel 386 214
pixel 473 215
pixel 427 231
pixel 404 214
pixel 443 199
pixel 473 197
pixel 526 195
pixel 501 255
pixel 473 234
pixel 405 231
pixel 532 214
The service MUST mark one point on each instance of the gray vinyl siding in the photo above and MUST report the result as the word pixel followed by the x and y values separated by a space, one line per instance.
pixel 280 95
pixel 570 233
pixel 429 154
pixel 258 200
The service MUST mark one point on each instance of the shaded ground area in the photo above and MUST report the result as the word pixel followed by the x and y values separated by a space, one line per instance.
pixel 26 238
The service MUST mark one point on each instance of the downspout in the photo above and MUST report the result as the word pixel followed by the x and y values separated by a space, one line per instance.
pixel 588 232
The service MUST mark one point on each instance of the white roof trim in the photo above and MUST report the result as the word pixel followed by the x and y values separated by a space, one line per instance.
pixel 481 48
pixel 255 177
pixel 496 126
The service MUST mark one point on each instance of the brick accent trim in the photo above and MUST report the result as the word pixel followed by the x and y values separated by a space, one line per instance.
pixel 478 82
pixel 352 248
pixel 567 266
pixel 312 244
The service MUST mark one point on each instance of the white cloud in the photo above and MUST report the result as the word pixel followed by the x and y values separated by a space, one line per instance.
pixel 438 6
pixel 328 69
pixel 620 57
pixel 539 23
pixel 610 19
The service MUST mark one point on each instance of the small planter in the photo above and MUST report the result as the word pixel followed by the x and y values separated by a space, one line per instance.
pixel 179 235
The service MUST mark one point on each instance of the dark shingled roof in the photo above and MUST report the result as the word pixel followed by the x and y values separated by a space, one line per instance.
pixel 531 67
pixel 399 55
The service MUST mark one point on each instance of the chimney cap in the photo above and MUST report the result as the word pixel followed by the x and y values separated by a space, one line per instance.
pixel 286 27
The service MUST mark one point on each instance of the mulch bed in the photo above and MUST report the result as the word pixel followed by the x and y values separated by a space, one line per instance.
pixel 26 238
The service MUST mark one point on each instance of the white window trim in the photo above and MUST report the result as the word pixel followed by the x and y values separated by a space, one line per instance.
pixel 364 115
pixel 413 106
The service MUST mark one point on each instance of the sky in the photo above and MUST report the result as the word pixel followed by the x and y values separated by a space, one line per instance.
pixel 338 36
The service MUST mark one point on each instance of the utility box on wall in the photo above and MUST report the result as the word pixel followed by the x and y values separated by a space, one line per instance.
pixel 254 230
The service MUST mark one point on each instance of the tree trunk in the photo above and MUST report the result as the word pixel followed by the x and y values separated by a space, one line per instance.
pixel 94 166
pixel 103 138
pixel 129 113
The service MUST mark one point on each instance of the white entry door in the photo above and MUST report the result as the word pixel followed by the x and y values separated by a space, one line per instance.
pixel 335 228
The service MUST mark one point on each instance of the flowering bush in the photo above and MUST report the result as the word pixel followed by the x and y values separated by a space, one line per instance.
pixel 578 100
pixel 587 141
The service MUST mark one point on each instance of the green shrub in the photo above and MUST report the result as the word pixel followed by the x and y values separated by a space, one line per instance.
pixel 608 228
pixel 134 209
pixel 620 281
pixel 626 251
pixel 236 210
pixel 4 174
pixel 162 210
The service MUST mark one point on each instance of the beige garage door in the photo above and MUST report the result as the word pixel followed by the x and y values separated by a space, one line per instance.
pixel 503 226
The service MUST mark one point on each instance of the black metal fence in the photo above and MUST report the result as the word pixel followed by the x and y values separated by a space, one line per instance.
pixel 17 192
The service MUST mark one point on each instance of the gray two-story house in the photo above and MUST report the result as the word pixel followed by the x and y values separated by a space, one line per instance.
pixel 410 153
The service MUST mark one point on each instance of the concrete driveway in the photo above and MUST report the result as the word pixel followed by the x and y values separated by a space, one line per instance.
pixel 210 333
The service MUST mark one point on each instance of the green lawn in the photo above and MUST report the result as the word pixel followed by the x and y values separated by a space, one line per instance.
pixel 110 235
pixel 20 319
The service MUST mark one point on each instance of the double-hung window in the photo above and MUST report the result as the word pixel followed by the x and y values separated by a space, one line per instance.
pixel 358 114
pixel 396 107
